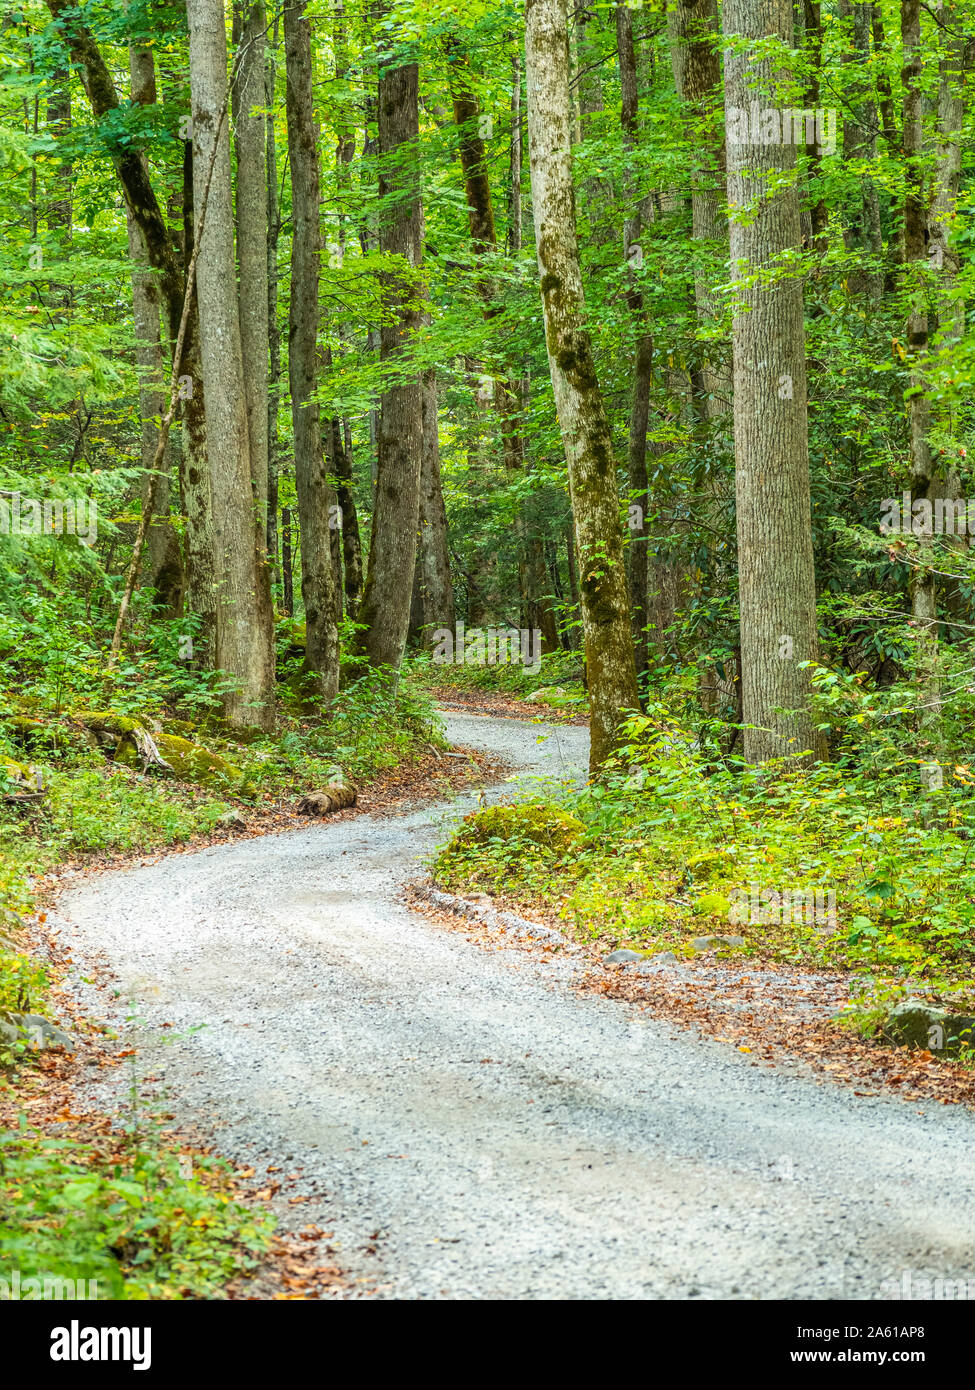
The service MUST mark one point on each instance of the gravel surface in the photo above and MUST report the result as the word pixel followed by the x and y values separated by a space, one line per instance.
pixel 470 1126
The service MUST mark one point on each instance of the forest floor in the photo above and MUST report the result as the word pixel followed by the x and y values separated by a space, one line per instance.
pixel 441 1109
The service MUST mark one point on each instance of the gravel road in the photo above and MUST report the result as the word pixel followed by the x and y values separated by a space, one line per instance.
pixel 467 1116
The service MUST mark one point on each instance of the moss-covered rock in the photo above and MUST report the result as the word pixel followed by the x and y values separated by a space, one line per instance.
pixel 191 763
pixel 548 827
pixel 555 697
pixel 18 773
pixel 182 728
pixel 107 719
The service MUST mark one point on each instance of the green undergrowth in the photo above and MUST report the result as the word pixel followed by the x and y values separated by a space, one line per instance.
pixel 70 1208
pixel 835 866
pixel 132 1215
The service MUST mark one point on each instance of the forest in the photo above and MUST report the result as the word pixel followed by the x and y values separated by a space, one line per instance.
pixel 366 363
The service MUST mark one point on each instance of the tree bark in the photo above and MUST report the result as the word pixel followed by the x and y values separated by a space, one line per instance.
pixel 196 493
pixel 248 99
pixel 636 450
pixel 162 567
pixel 435 583
pixel 582 416
pixel 777 592
pixel 274 331
pixel 245 635
pixel 318 589
pixel 385 609
pixel 341 458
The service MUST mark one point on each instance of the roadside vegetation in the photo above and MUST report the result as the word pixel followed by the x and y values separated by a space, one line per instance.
pixel 849 865
pixel 122 1207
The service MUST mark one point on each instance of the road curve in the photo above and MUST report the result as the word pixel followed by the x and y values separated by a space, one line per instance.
pixel 463 1113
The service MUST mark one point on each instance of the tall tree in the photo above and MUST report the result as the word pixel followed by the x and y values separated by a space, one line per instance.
pixel 385 611
pixel 776 580
pixel 436 589
pixel 245 635
pixel 273 329
pixel 318 587
pixel 579 403
pixel 162 567
pixel 636 450
pixel 248 98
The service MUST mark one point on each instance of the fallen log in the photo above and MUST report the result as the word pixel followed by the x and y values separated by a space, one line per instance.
pixel 335 797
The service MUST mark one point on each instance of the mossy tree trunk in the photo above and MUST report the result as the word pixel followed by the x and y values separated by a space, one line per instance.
pixel 610 664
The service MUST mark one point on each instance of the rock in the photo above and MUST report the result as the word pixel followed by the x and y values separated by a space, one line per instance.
pixel 715 943
pixel 38 1032
pixel 20 775
pixel 231 820
pixel 619 957
pixel 649 967
pixel 916 1024
pixel 190 763
pixel 545 694
pixel 335 797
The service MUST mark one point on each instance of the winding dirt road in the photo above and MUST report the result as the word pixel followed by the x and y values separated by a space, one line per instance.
pixel 469 1125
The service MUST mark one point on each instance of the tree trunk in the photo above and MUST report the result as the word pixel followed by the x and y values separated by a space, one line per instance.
pixel 318 589
pixel 777 592
pixel 245 636
pixel 433 561
pixel 162 567
pixel 341 430
pixel 274 331
pixel 582 416
pixel 248 100
pixel 392 553
pixel 287 563
pixel 341 458
pixel 195 488
pixel 636 449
